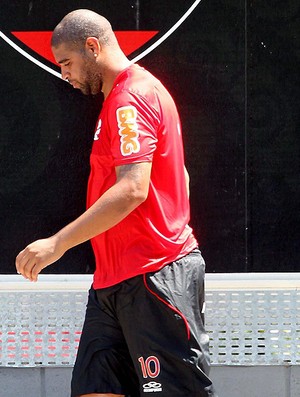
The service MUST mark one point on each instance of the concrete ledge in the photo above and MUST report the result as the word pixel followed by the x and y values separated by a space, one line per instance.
pixel 214 281
pixel 257 381
pixel 230 381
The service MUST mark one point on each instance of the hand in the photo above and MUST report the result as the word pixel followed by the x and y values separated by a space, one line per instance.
pixel 36 256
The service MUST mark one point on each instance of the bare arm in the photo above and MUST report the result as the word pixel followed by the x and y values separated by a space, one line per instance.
pixel 129 191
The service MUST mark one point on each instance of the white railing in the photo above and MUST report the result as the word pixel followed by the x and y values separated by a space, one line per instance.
pixel 251 318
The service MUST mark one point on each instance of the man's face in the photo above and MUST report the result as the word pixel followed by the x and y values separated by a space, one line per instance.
pixel 79 68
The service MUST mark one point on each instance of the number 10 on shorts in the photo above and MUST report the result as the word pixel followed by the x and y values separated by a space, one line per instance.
pixel 150 367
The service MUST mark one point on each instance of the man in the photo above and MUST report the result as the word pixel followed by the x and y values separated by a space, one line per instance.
pixel 143 330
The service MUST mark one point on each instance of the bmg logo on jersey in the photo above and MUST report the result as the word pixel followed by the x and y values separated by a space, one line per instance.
pixel 128 130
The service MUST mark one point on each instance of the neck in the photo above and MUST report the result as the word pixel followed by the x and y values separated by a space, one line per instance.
pixel 111 73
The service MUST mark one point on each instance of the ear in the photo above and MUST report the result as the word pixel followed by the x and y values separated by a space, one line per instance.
pixel 92 46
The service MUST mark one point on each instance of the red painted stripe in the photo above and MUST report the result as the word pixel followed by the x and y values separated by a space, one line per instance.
pixel 39 42
pixel 174 309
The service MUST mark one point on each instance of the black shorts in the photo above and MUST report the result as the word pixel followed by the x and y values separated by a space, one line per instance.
pixel 146 335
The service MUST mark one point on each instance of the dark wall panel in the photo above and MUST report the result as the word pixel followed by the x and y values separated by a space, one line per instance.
pixel 232 71
pixel 273 129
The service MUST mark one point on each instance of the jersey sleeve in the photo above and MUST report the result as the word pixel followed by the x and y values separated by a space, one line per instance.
pixel 133 124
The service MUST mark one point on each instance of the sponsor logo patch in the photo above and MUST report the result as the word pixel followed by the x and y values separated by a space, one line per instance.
pixel 128 130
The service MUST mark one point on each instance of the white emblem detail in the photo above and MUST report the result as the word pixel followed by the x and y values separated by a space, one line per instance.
pixel 136 59
pixel 98 130
pixel 152 387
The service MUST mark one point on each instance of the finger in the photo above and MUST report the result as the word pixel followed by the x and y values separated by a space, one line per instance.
pixel 25 263
pixel 33 268
pixel 28 268
pixel 21 262
pixel 35 271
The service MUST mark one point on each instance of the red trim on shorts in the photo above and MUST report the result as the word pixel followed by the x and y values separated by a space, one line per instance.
pixel 174 309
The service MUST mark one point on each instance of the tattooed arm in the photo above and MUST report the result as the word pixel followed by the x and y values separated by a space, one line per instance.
pixel 129 191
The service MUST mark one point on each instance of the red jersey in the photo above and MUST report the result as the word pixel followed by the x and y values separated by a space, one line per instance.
pixel 139 122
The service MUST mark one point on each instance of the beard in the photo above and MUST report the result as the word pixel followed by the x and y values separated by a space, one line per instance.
pixel 92 82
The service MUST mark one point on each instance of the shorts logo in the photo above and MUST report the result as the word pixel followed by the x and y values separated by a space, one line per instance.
pixel 152 387
pixel 128 130
pixel 150 369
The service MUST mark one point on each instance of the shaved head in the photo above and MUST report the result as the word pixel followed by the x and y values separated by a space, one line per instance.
pixel 88 52
pixel 78 25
